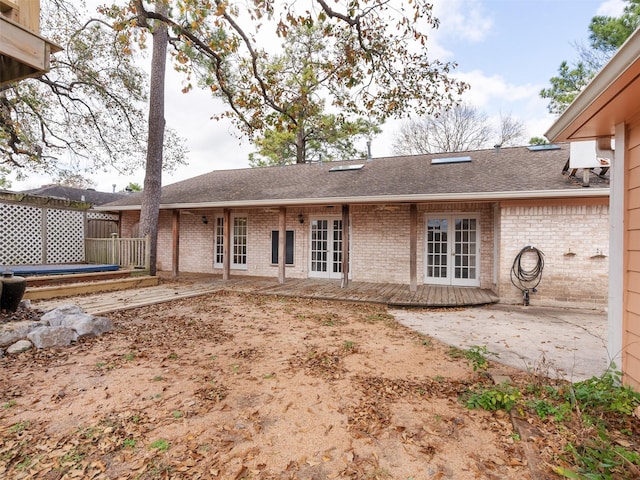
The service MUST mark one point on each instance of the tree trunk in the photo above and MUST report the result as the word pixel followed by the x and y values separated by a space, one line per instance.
pixel 150 209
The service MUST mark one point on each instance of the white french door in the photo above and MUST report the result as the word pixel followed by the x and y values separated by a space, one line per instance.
pixel 452 250
pixel 326 248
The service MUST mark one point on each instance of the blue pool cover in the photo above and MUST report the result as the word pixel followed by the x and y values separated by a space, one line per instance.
pixel 61 269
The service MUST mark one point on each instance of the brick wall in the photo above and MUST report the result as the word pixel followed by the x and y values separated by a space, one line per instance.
pixel 575 243
pixel 574 239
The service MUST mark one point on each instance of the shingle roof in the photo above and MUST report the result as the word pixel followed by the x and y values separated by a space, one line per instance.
pixel 513 172
pixel 78 194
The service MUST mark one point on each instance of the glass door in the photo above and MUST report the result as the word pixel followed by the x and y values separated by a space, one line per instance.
pixel 452 250
pixel 326 248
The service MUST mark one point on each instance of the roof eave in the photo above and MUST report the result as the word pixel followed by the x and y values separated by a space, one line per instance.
pixel 563 128
pixel 378 199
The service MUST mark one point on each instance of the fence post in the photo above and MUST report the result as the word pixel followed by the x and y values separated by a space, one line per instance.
pixel 147 252
pixel 113 248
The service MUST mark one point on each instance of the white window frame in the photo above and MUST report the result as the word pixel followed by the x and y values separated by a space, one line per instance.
pixel 236 247
pixel 450 278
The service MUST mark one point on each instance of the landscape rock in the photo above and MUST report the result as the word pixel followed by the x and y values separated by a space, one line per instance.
pixel 13 331
pixel 56 328
pixel 55 317
pixel 20 346
pixel 87 325
pixel 47 337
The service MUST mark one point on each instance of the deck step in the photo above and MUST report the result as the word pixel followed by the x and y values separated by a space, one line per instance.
pixel 83 288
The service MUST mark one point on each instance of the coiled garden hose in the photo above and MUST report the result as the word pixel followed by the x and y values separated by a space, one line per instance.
pixel 524 279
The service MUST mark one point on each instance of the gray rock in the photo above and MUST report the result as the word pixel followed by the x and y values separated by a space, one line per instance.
pixel 20 346
pixel 87 325
pixel 11 332
pixel 54 317
pixel 47 337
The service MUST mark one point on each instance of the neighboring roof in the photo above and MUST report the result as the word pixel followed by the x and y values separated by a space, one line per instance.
pixel 512 172
pixel 77 194
pixel 609 99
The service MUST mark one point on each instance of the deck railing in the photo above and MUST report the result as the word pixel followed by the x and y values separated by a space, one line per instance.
pixel 125 252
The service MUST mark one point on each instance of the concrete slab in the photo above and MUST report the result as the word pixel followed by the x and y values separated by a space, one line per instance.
pixel 560 343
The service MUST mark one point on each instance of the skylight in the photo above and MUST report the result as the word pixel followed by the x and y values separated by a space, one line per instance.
pixel 437 161
pixel 546 146
pixel 344 168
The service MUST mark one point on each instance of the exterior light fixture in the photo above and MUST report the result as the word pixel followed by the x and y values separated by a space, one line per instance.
pixel 301 218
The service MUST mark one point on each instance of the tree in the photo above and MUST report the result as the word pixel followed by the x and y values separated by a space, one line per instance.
pixel 607 34
pixel 380 66
pixel 461 128
pixel 301 130
pixel 132 187
pixel 68 178
pixel 150 208
pixel 87 113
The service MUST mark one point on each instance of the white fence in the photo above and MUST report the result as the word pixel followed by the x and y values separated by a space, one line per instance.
pixel 125 252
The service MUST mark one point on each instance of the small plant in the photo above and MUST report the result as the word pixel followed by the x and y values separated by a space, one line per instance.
pixel 499 397
pixel 599 459
pixel 9 404
pixel 177 414
pixel 158 378
pixel 173 356
pixel 545 409
pixel 100 364
pixel 161 445
pixel 269 376
pixel 19 427
pixel 476 356
pixel 349 345
pixel 129 443
pixel 25 463
pixel 73 457
pixel 605 392
pixel 129 357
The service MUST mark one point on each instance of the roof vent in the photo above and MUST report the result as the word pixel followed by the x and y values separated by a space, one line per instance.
pixel 444 160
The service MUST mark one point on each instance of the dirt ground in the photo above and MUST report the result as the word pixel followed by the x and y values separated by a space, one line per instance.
pixel 236 386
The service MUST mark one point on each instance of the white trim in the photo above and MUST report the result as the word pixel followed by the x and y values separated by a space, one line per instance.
pixel 450 278
pixel 233 266
pixel 616 249
pixel 329 273
pixel 382 199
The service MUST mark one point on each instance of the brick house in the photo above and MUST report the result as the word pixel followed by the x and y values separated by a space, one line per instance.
pixel 608 108
pixel 447 219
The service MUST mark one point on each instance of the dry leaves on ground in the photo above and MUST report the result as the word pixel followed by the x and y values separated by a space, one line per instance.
pixel 236 386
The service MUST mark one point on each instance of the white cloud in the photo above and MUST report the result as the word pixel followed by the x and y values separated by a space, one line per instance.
pixel 611 8
pixel 464 19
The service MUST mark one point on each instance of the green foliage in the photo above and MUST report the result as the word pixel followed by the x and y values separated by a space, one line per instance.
pixel 87 113
pixel 476 356
pixel 161 445
pixel 607 34
pixel 366 59
pixel 538 141
pixel 598 459
pixel 545 408
pixel 500 397
pixel 605 393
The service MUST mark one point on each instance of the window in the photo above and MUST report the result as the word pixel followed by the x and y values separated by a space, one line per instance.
pixel 275 237
pixel 238 243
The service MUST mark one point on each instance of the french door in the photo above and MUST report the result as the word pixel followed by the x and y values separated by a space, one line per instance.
pixel 326 248
pixel 452 250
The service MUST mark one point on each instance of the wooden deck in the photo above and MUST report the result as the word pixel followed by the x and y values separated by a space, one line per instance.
pixel 193 285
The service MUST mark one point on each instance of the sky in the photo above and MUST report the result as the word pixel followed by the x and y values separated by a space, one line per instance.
pixel 507 50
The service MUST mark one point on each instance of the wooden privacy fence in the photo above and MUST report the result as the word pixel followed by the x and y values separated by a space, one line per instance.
pixel 125 252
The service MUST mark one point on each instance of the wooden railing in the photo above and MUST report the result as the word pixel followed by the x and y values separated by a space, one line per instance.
pixel 125 252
